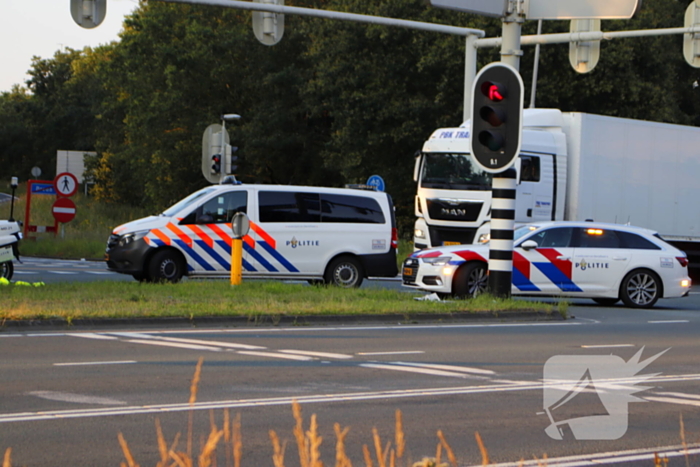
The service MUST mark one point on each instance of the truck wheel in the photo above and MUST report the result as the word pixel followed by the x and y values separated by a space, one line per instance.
pixel 640 289
pixel 166 266
pixel 345 272
pixel 470 280
pixel 6 270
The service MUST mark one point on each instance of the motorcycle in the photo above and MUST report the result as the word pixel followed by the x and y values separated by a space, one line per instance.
pixel 10 235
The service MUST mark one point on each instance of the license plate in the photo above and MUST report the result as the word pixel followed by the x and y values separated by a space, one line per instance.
pixel 450 243
pixel 407 271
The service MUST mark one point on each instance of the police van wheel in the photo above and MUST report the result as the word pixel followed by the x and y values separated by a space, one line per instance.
pixel 470 280
pixel 6 270
pixel 640 288
pixel 344 272
pixel 166 266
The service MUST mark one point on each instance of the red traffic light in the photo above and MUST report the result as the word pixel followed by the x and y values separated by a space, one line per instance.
pixel 216 164
pixel 495 92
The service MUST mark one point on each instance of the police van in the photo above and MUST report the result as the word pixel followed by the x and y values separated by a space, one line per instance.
pixel 334 235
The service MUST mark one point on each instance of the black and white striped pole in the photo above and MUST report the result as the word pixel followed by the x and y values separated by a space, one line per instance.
pixel 502 226
pixel 497 111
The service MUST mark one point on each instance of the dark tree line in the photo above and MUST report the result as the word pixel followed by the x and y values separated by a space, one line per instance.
pixel 332 103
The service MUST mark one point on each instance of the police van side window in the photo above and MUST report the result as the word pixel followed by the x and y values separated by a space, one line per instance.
pixel 350 209
pixel 529 169
pixel 220 209
pixel 286 206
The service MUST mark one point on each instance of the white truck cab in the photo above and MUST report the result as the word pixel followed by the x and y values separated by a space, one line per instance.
pixel 335 235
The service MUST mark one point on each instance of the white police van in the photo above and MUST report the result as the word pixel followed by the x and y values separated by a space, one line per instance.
pixel 334 235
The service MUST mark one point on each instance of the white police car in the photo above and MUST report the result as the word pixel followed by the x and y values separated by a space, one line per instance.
pixel 604 262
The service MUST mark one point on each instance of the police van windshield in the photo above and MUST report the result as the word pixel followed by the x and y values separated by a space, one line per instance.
pixel 191 199
pixel 453 172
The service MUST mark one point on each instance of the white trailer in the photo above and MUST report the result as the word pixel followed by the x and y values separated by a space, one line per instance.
pixel 572 166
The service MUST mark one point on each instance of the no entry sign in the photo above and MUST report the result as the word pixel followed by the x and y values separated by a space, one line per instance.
pixel 63 210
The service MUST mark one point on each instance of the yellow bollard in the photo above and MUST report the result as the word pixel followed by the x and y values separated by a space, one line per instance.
pixel 236 261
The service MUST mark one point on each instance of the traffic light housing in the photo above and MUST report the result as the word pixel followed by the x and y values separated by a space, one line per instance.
pixel 497 111
pixel 215 164
pixel 229 159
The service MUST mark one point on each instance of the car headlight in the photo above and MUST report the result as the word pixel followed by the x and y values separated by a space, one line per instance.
pixel 129 238
pixel 484 238
pixel 439 261
pixel 419 233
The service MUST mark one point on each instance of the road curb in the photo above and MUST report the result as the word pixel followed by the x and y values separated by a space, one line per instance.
pixel 284 320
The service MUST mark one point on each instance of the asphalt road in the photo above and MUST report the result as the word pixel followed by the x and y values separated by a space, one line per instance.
pixel 65 396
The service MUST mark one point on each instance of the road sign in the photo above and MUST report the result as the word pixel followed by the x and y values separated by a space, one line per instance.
pixel 63 210
pixel 65 184
pixel 377 182
pixel 268 27
pixel 496 8
pixel 691 42
pixel 39 188
pixel 584 55
pixel 580 9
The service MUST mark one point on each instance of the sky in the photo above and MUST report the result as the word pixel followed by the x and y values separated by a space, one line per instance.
pixel 41 27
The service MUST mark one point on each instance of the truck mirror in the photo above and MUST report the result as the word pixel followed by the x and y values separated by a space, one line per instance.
pixel 416 166
pixel 518 166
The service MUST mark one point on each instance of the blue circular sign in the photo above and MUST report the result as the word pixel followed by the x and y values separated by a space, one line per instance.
pixel 377 182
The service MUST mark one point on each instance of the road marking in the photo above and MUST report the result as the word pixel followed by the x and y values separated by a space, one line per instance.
pixel 398 352
pixel 462 369
pixel 175 344
pixel 310 399
pixel 118 362
pixel 63 272
pixel 275 355
pixel 678 394
pixel 317 354
pixel 231 345
pixel 75 398
pixel 606 346
pixel 92 335
pixel 604 458
pixel 100 272
pixel 411 369
pixel 673 400
pixel 669 321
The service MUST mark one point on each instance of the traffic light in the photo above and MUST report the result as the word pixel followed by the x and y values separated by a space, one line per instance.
pixel 229 159
pixel 216 164
pixel 497 110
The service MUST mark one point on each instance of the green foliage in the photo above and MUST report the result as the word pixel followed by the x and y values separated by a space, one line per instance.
pixel 332 103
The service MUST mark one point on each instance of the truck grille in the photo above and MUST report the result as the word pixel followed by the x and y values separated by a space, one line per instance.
pixel 440 235
pixel 453 210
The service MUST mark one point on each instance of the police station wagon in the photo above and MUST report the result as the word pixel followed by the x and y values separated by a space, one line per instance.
pixel 333 235
pixel 604 262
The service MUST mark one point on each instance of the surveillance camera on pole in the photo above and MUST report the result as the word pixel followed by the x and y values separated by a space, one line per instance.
pixel 88 14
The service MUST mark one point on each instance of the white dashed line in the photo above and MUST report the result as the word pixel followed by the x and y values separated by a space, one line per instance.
pixel 121 362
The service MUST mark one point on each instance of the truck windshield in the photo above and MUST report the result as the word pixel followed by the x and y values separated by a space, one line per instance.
pixel 183 203
pixel 452 172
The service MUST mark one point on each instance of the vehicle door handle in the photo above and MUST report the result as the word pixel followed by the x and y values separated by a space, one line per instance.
pixel 563 258
pixel 620 258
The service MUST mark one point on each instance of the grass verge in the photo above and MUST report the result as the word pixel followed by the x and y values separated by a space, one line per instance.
pixel 193 299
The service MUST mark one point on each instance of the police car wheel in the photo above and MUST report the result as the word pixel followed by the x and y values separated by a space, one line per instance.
pixel 166 266
pixel 6 270
pixel 344 272
pixel 470 280
pixel 640 289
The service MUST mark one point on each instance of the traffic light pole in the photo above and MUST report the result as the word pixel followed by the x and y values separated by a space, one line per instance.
pixel 504 183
